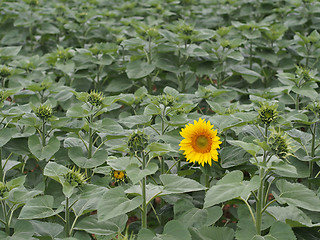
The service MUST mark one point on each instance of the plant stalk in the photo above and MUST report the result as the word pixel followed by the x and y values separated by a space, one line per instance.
pixel 43 134
pixel 313 131
pixel 67 219
pixel 144 195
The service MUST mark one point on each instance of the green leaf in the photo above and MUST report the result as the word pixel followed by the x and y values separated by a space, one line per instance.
pixel 152 191
pixel 132 121
pixel 175 230
pixel 159 149
pixel 209 233
pixel 229 187
pixel 39 207
pixel 6 134
pixel 55 171
pixel 114 203
pixel 43 152
pixel 98 158
pixel 83 206
pixel 138 69
pixel 297 195
pixel 91 225
pixel 280 231
pixel 291 215
pixel 306 91
pixel 136 174
pixel 47 228
pixel 175 184
pixel 251 148
pixel 246 72
pixel 10 51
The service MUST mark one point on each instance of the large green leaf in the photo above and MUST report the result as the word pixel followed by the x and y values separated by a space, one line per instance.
pixel 91 225
pixel 278 231
pixel 55 171
pixel 175 184
pixel 114 203
pixel 173 230
pixel 47 228
pixel 138 69
pixel 6 135
pixel 136 174
pixel 209 233
pixel 297 195
pixel 291 215
pixel 43 152
pixel 39 207
pixel 77 156
pixel 251 148
pixel 229 187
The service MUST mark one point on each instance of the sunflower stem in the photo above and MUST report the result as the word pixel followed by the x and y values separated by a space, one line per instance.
pixel 67 219
pixel 144 195
pixel 207 178
pixel 260 195
pixel 43 133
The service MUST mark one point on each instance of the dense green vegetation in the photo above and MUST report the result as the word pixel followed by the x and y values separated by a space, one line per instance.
pixel 94 95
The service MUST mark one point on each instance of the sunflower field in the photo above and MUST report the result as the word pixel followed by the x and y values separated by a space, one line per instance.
pixel 159 120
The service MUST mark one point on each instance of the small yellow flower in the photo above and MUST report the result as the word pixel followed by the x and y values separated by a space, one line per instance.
pixel 200 142
pixel 117 175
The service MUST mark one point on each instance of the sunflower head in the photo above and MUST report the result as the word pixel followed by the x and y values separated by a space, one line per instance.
pixel 268 113
pixel 95 98
pixel 75 177
pixel 137 141
pixel 280 144
pixel 118 176
pixel 44 112
pixel 200 142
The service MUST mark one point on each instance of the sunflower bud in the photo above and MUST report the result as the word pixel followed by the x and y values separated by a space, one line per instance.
pixel 279 144
pixel 315 108
pixel 2 96
pixel 118 176
pixel 75 177
pixel 268 113
pixel 44 112
pixel 5 72
pixel 152 32
pixel 167 100
pixel 95 98
pixel 137 142
pixel 3 189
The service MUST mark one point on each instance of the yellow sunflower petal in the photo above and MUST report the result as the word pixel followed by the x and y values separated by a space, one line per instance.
pixel 200 142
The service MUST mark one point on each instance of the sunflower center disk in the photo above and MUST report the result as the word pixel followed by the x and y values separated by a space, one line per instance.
pixel 202 143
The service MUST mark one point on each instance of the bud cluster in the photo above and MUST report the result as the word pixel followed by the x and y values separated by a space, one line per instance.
pixel 75 177
pixel 5 72
pixel 279 144
pixel 3 189
pixel 268 113
pixel 137 142
pixel 95 98
pixel 44 112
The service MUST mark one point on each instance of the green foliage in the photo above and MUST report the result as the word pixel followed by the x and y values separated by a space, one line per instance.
pixel 90 88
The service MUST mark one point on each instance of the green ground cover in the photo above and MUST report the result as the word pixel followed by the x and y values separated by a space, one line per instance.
pixel 107 110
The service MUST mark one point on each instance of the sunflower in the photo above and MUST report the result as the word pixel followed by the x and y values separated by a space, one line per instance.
pixel 117 175
pixel 200 142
